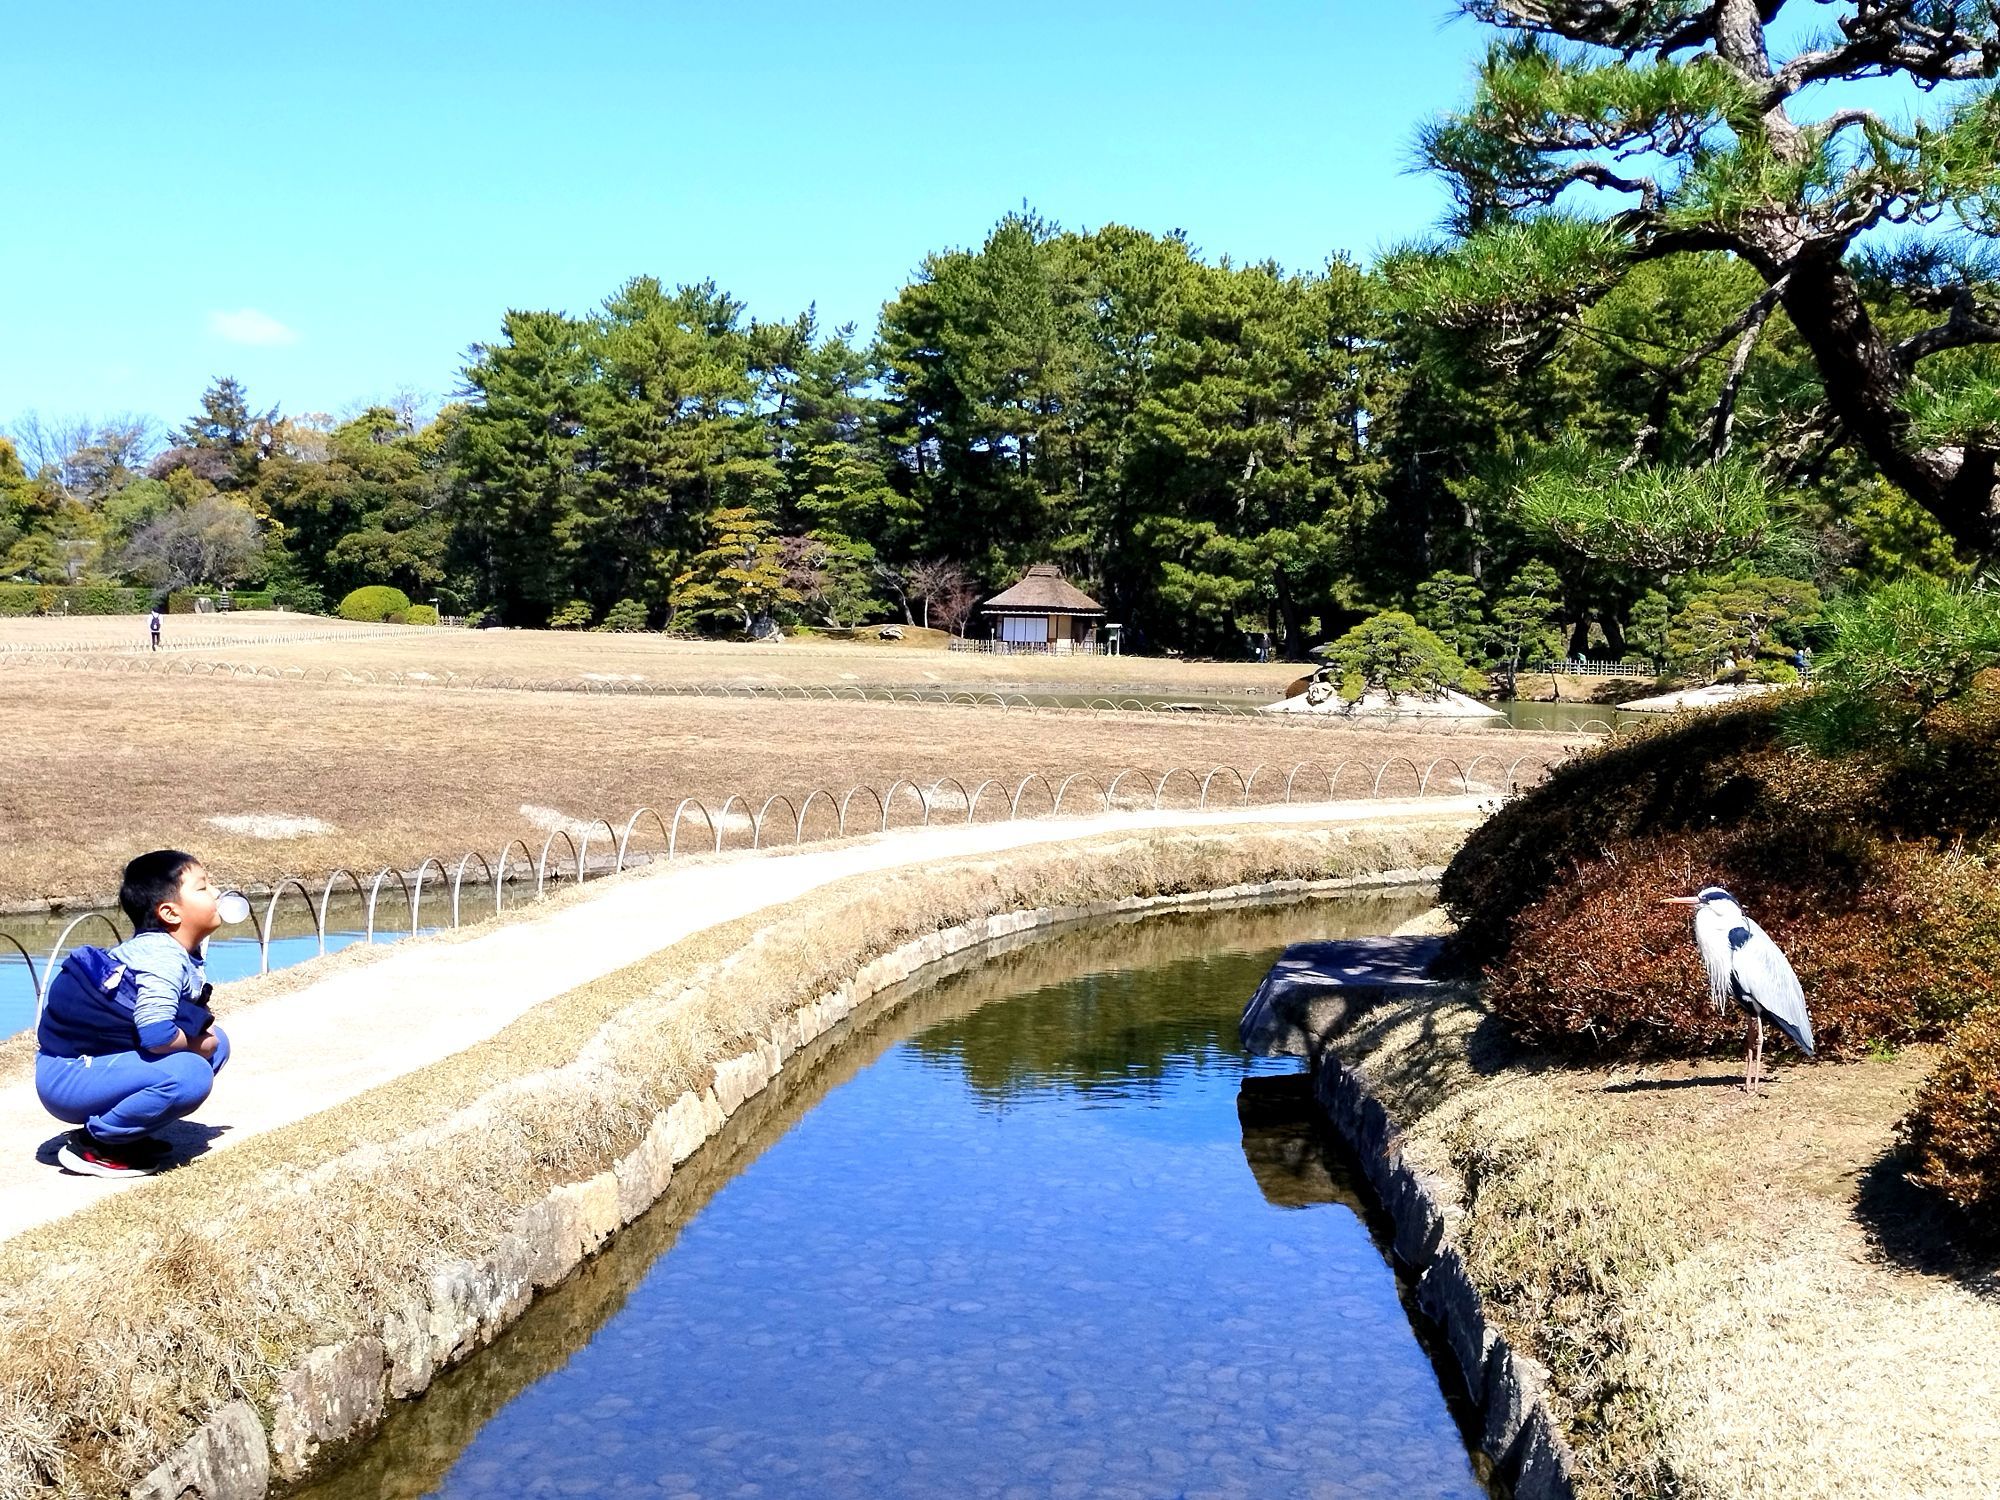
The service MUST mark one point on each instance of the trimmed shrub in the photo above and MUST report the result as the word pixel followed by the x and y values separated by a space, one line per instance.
pixel 574 615
pixel 1857 864
pixel 306 598
pixel 1953 1131
pixel 420 614
pixel 374 603
pixel 1892 942
pixel 21 599
pixel 626 614
pixel 184 601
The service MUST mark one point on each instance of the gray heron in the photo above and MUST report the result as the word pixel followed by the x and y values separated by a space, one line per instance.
pixel 1744 965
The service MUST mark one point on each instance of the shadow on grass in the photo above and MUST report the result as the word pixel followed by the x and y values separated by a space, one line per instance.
pixel 1911 1226
pixel 1655 1085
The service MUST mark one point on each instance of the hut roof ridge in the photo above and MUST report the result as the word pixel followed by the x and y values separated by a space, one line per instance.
pixel 1043 589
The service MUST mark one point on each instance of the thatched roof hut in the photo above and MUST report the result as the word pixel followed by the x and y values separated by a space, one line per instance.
pixel 1044 611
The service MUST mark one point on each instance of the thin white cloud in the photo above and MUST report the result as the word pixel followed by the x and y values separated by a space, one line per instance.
pixel 249 326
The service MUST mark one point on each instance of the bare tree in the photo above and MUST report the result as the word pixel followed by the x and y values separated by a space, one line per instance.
pixel 931 584
pixel 953 609
pixel 86 459
pixel 214 540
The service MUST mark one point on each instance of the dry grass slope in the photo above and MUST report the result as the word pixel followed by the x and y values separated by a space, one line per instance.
pixel 1703 1272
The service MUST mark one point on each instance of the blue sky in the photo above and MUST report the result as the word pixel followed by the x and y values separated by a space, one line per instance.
pixel 331 202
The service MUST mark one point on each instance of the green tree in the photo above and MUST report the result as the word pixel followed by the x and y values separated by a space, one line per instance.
pixel 1680 119
pixel 1738 617
pixel 368 503
pixel 1391 653
pixel 739 579
pixel 1453 606
pixel 1646 629
pixel 1527 619
pixel 521 463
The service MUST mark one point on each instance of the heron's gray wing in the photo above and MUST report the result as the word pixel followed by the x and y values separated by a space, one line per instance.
pixel 1766 977
pixel 1711 936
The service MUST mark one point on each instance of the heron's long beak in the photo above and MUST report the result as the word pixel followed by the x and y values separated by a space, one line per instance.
pixel 1680 900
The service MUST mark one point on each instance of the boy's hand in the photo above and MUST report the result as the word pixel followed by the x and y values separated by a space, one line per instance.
pixel 204 1045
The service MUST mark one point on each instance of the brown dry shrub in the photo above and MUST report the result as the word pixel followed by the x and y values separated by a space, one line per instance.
pixel 1953 1130
pixel 1728 770
pixel 1892 942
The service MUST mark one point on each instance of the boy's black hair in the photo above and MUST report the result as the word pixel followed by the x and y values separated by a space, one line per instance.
pixel 149 880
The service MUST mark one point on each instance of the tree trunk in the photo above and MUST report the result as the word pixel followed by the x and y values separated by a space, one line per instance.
pixel 1864 385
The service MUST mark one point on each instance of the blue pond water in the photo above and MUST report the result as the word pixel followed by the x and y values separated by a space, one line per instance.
pixel 1012 1241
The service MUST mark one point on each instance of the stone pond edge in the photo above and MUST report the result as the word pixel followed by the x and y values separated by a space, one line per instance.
pixel 342 1392
pixel 1514 1426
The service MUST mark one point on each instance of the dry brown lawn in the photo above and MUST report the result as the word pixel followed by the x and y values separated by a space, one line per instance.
pixel 265 777
pixel 553 655
pixel 1737 1296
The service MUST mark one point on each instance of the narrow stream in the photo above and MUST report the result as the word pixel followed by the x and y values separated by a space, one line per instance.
pixel 1040 1230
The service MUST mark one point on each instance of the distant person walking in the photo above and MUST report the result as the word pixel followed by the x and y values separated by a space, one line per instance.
pixel 153 625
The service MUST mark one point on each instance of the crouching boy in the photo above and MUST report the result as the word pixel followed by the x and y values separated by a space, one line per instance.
pixel 127 1041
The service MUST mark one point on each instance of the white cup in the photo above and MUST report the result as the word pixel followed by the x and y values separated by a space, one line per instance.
pixel 233 906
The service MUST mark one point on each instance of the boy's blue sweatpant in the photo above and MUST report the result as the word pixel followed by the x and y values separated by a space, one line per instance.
pixel 124 1095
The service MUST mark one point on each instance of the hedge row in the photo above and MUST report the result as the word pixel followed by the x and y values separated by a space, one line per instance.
pixel 18 599
pixel 182 601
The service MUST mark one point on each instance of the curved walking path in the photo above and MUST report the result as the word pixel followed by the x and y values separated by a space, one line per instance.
pixel 417 1005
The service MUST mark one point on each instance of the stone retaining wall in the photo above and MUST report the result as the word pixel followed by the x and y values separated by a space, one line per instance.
pixel 1504 1386
pixel 340 1392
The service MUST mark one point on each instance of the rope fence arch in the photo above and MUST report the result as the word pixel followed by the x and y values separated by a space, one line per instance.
pixel 1242 786
pixel 674 833
pixel 542 864
pixel 288 883
pixel 54 961
pixel 722 820
pixel 816 794
pixel 1148 790
pixel 625 838
pixel 1014 803
pixel 889 801
pixel 1389 765
pixel 1089 776
pixel 375 891
pixel 417 893
pixel 34 980
pixel 458 879
pixel 934 799
pixel 501 867
pixel 1160 787
pixel 757 823
pixel 583 852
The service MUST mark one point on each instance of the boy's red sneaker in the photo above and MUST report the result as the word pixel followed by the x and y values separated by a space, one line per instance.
pixel 85 1153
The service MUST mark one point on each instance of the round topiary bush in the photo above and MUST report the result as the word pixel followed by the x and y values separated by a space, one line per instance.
pixel 374 603
pixel 420 614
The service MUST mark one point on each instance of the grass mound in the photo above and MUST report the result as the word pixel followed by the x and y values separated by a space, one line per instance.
pixel 1873 869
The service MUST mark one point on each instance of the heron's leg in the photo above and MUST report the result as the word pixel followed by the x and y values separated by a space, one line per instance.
pixel 1760 1048
pixel 1749 1045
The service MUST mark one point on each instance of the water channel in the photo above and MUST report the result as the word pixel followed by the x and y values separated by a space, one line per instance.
pixel 1040 1229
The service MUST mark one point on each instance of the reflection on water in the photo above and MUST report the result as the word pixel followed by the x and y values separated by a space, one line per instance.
pixel 1571 718
pixel 1013 1239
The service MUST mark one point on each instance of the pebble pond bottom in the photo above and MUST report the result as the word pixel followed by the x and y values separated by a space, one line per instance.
pixel 1013 1239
